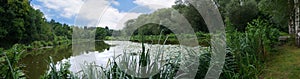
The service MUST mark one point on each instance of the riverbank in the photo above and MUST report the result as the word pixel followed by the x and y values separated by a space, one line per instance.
pixel 10 57
pixel 202 38
pixel 284 64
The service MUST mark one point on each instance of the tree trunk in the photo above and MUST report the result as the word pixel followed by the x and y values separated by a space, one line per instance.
pixel 297 11
pixel 291 18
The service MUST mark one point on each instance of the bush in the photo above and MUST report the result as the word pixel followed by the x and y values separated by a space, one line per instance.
pixel 37 44
pixel 50 43
pixel 44 43
pixel 172 36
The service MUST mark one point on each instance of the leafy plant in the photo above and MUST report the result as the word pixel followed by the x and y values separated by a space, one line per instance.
pixel 9 62
pixel 61 72
pixel 247 51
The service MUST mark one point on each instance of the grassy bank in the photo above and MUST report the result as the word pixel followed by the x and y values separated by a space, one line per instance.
pixel 9 58
pixel 283 64
pixel 44 44
pixel 203 38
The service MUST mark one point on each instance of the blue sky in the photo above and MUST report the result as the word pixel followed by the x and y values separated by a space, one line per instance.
pixel 124 5
pixel 128 5
pixel 112 13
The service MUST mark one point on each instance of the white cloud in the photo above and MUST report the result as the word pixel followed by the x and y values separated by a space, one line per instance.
pixel 95 12
pixel 67 8
pixel 155 4
pixel 36 6
pixel 116 19
pixel 115 3
pixel 87 12
pixel 91 12
pixel 100 13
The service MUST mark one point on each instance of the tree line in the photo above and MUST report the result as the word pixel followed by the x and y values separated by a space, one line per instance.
pixel 21 23
pixel 280 13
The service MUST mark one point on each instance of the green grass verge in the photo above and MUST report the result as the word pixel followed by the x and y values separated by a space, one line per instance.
pixel 284 64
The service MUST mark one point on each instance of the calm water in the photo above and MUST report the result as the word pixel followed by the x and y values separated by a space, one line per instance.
pixel 78 54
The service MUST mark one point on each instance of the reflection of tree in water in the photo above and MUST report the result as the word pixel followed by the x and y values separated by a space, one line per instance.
pixel 86 47
pixel 82 47
pixel 37 61
pixel 100 46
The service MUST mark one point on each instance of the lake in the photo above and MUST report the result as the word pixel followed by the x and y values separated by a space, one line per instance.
pixel 99 52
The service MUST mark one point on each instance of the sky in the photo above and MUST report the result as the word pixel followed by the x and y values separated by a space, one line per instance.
pixel 100 13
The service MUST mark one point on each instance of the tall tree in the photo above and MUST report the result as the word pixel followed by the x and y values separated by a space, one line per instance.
pixel 282 12
pixel 21 23
pixel 240 12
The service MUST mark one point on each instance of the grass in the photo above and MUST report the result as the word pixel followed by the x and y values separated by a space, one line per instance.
pixel 285 64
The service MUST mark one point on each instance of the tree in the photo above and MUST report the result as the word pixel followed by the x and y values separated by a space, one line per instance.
pixel 101 33
pixel 167 17
pixel 285 13
pixel 240 12
pixel 281 12
pixel 21 23
pixel 13 20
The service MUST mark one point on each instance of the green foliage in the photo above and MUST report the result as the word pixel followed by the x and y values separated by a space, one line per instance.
pixel 50 43
pixel 247 51
pixel 61 29
pixel 9 63
pixel 166 16
pixel 242 60
pixel 20 23
pixel 193 17
pixel 279 11
pixel 101 33
pixel 240 12
pixel 61 40
pixel 37 44
pixel 267 35
pixel 204 61
pixel 62 72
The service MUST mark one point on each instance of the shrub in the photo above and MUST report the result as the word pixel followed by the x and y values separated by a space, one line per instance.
pixel 37 44
pixel 44 43
pixel 50 43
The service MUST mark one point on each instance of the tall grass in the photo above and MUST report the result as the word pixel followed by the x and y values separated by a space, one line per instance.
pixel 9 68
pixel 247 51
pixel 61 72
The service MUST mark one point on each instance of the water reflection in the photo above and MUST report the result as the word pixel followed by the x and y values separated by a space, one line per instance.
pixel 36 62
pixel 85 52
pixel 86 47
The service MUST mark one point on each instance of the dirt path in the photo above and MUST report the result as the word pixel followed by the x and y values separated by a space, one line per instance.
pixel 285 64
